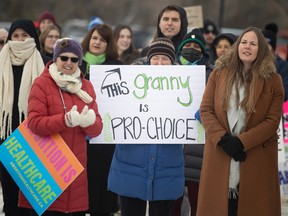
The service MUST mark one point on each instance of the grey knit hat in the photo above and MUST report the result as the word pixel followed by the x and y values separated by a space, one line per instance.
pixel 162 46
pixel 67 45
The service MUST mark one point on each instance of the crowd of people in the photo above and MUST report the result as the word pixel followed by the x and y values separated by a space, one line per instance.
pixel 45 78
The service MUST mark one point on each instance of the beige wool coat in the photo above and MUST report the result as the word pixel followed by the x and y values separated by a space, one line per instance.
pixel 259 192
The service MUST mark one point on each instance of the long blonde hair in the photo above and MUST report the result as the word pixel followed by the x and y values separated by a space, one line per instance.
pixel 263 67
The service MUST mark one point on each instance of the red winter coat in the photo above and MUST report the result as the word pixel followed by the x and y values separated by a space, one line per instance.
pixel 46 117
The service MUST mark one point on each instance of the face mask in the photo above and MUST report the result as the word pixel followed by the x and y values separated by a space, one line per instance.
pixel 191 54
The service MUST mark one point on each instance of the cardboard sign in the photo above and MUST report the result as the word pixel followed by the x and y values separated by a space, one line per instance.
pixel 149 104
pixel 194 16
pixel 42 167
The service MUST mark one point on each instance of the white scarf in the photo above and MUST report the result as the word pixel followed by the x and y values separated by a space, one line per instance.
pixel 236 119
pixel 70 83
pixel 17 53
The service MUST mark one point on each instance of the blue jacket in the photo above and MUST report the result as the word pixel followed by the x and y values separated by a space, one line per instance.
pixel 147 171
pixel 282 69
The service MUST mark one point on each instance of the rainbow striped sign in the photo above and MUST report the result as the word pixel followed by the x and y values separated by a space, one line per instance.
pixel 42 167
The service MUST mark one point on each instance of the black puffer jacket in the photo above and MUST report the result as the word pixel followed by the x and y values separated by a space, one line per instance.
pixel 193 154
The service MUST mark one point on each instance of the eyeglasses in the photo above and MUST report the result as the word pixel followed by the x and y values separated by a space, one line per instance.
pixel 66 58
pixel 2 42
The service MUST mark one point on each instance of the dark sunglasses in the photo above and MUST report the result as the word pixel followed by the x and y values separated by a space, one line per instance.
pixel 2 42
pixel 65 59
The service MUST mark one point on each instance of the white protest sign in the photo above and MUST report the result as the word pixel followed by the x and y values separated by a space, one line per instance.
pixel 149 104
pixel 281 146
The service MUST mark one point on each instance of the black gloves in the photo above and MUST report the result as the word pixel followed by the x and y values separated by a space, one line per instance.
pixel 233 146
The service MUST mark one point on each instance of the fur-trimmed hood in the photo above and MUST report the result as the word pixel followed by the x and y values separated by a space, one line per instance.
pixel 267 68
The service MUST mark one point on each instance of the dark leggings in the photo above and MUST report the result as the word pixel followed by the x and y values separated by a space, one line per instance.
pixel 232 207
pixel 10 194
pixel 30 212
pixel 133 206
pixel 193 188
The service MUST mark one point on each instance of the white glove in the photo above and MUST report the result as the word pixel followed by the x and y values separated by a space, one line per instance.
pixel 72 118
pixel 87 117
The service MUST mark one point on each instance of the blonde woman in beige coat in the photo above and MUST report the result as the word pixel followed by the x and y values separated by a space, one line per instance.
pixel 240 111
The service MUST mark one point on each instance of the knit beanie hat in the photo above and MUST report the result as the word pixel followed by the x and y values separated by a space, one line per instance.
pixel 47 15
pixel 270 36
pixel 272 27
pixel 228 36
pixel 161 46
pixel 27 26
pixel 209 26
pixel 94 21
pixel 67 45
pixel 270 33
pixel 194 36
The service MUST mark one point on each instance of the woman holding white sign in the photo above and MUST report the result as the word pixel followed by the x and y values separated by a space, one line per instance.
pixel 240 111
pixel 62 101
pixel 149 172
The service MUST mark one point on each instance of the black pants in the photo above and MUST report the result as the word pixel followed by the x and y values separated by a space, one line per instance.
pixel 93 214
pixel 137 207
pixel 193 188
pixel 10 194
pixel 30 212
pixel 232 207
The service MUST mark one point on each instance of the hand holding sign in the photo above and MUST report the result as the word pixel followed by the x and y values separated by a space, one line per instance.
pixel 72 118
pixel 42 167
pixel 87 117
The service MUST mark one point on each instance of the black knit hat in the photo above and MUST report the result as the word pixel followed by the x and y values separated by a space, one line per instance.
pixel 209 26
pixel 270 36
pixel 194 36
pixel 272 27
pixel 161 46
pixel 228 36
pixel 67 45
pixel 270 33
pixel 27 26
